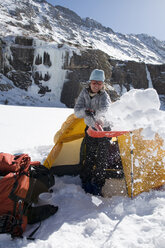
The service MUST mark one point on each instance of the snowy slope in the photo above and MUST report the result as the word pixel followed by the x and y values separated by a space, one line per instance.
pixel 60 25
pixel 85 221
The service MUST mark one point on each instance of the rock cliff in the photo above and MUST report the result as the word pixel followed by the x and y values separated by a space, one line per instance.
pixel 57 72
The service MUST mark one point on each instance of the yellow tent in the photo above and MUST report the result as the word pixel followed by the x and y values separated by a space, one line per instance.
pixel 148 159
pixel 67 143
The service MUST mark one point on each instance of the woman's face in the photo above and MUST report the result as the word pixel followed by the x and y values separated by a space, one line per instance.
pixel 96 86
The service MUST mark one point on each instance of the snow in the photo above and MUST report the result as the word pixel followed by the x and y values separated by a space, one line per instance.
pixel 84 220
pixel 54 25
pixel 63 37
pixel 55 73
pixel 30 120
pixel 150 85
pixel 138 109
pixel 58 75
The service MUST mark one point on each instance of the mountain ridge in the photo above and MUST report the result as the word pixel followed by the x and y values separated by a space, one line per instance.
pixel 41 20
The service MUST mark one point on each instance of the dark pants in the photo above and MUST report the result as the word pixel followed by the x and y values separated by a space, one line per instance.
pixel 93 172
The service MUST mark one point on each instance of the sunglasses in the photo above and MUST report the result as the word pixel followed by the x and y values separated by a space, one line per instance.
pixel 97 83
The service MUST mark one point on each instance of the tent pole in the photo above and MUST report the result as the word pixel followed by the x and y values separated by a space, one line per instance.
pixel 132 172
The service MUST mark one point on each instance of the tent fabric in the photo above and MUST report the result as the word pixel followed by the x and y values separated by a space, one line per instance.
pixel 148 155
pixel 148 161
pixel 72 132
pixel 72 129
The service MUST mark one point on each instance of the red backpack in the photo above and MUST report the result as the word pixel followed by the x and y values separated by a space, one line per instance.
pixel 14 163
pixel 13 191
pixel 20 186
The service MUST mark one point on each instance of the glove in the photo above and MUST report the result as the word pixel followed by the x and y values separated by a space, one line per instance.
pixel 98 126
pixel 89 112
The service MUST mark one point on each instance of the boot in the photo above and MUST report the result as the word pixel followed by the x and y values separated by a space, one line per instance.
pixel 96 189
pixel 37 214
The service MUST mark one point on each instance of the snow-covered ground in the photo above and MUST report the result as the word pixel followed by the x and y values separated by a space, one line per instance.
pixel 84 220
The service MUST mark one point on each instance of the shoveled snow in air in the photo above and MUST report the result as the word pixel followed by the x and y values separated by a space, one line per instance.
pixel 84 220
pixel 138 109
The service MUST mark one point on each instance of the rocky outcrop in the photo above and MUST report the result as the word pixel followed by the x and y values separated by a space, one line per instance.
pixel 125 74
pixel 27 63
pixel 157 73
pixel 129 74
pixel 1 56
pixel 80 67
pixel 19 61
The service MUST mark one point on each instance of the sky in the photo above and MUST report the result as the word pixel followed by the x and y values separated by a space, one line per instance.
pixel 123 16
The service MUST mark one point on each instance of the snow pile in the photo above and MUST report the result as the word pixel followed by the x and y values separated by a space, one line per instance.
pixel 138 109
pixel 82 219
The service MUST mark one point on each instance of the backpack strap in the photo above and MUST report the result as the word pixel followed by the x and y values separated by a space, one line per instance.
pixel 33 232
pixel 12 196
pixel 17 229
pixel 18 210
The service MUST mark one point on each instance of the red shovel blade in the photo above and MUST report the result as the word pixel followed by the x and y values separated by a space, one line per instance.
pixel 100 134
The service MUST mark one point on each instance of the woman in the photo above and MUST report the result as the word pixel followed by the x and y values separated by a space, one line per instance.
pixel 92 105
